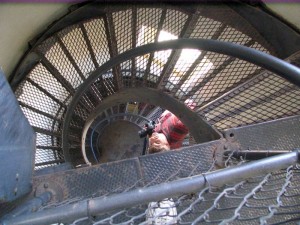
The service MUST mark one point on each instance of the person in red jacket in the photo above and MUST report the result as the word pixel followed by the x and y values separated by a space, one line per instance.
pixel 169 132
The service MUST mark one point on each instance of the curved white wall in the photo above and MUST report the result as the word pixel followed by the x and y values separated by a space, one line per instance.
pixel 19 23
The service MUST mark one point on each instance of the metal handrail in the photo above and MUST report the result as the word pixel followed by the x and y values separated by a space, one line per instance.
pixel 95 206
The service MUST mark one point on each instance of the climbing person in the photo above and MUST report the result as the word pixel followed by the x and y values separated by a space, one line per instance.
pixel 169 132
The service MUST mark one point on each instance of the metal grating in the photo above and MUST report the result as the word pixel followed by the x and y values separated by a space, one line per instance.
pixel 73 53
pixel 213 76
pixel 41 76
pixel 55 57
pixel 243 203
pixel 271 198
pixel 131 173
pixel 281 134
pixel 147 23
pixel 32 96
pixel 95 32
pixel 264 98
pixel 230 34
pixel 273 94
pixel 229 92
pixel 127 76
pixel 174 22
pixel 174 165
pixel 123 26
pixel 76 48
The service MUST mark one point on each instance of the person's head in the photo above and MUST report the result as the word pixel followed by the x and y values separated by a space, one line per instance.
pixel 158 143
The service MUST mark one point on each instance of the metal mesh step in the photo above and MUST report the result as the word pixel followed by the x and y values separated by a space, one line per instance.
pixel 64 84
pixel 267 197
pixel 70 55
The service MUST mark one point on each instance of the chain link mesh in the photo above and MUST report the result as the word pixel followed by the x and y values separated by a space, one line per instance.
pixel 271 198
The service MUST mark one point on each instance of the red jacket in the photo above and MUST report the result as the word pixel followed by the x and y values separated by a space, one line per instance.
pixel 174 130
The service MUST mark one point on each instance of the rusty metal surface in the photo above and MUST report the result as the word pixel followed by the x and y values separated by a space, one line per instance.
pixel 120 176
pixel 120 141
pixel 282 134
pixel 178 164
pixel 95 180
pixel 271 198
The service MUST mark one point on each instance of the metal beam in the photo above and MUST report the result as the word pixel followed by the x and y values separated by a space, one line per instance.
pixel 30 206
pixel 69 56
pixel 46 92
pixel 151 56
pixel 285 42
pixel 175 54
pixel 255 102
pixel 254 154
pixel 216 102
pixel 45 131
pixel 50 162
pixel 215 72
pixel 89 45
pixel 134 43
pixel 39 112
pixel 229 89
pixel 113 48
pixel 49 147
pixel 48 65
pixel 215 36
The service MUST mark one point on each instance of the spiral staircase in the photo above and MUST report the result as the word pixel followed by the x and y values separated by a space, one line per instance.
pixel 90 82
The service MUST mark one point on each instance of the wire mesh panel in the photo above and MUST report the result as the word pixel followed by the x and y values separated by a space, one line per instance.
pixel 76 48
pixel 69 56
pixel 123 26
pixel 270 198
pixel 264 98
pixel 57 57
pixel 148 24
pixel 79 70
pixel 279 134
pixel 216 82
pixel 95 31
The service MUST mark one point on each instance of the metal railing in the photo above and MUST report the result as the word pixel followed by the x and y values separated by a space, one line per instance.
pixel 257 175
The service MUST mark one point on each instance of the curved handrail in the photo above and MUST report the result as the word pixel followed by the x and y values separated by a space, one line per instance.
pixel 264 60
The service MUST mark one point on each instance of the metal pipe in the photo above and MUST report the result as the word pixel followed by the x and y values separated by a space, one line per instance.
pixel 252 169
pixel 30 206
pixel 254 154
pixel 54 215
pixel 188 185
